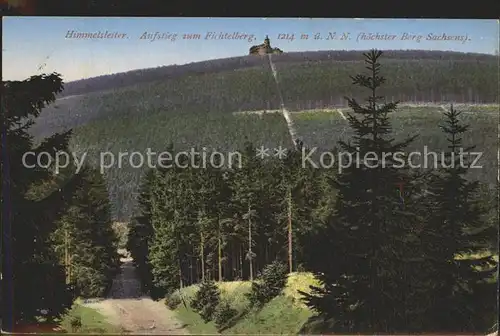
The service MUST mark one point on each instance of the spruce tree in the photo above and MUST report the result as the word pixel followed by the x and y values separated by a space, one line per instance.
pixel 271 215
pixel 164 245
pixel 299 199
pixel 222 211
pixel 246 186
pixel 206 300
pixel 457 242
pixel 173 217
pixel 213 195
pixel 203 188
pixel 362 256
pixel 85 240
pixel 32 203
pixel 141 231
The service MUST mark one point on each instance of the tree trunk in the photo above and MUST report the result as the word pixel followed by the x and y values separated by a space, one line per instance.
pixel 70 262
pixel 66 256
pixel 250 259
pixel 240 253
pixel 202 256
pixel 180 274
pixel 219 250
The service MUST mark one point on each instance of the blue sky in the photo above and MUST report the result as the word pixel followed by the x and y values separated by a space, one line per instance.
pixel 29 42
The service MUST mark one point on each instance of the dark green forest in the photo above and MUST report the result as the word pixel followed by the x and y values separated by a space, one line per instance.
pixel 422 257
pixel 195 107
pixel 305 84
pixel 57 238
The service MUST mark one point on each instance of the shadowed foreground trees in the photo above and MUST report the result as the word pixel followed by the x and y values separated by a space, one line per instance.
pixel 455 227
pixel 32 277
pixel 389 266
pixel 84 239
pixel 364 256
pixel 34 199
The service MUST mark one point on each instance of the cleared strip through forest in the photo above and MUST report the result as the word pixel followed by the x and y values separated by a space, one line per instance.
pixel 341 110
pixel 342 114
pixel 286 114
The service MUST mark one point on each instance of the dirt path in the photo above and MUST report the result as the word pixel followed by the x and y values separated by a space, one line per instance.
pixel 133 312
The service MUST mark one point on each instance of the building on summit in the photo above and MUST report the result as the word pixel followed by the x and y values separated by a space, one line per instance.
pixel 265 48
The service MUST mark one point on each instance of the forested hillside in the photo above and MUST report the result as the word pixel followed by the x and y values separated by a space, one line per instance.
pixel 196 109
pixel 327 57
pixel 451 77
pixel 226 133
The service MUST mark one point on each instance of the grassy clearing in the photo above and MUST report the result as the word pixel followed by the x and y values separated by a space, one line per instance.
pixel 280 316
pixel 479 256
pixel 285 314
pixel 484 108
pixel 91 321
pixel 322 129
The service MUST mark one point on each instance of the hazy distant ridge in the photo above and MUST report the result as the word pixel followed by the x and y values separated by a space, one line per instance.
pixel 132 77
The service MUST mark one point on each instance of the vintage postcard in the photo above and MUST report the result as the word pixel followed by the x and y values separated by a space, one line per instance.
pixel 250 176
